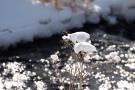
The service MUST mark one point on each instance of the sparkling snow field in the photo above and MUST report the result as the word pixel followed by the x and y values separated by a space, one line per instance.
pixel 53 66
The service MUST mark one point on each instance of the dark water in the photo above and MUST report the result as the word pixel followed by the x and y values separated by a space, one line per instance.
pixel 40 48
pixel 43 47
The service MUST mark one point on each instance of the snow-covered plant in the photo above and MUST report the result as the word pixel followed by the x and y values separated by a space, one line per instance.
pixel 81 44
pixel 82 48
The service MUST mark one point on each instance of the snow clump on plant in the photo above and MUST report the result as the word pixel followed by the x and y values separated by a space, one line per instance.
pixel 84 47
pixel 77 37
pixel 81 41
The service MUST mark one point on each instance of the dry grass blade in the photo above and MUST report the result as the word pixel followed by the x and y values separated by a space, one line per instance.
pixel 72 5
pixel 71 80
pixel 87 3
pixel 81 76
pixel 56 4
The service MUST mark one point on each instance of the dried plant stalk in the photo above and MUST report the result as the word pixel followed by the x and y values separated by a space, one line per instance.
pixel 81 76
pixel 72 5
pixel 87 3
pixel 59 3
pixel 45 1
pixel 72 79
pixel 41 1
pixel 56 4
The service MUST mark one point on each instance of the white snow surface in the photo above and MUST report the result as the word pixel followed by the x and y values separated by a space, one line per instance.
pixel 125 8
pixel 20 20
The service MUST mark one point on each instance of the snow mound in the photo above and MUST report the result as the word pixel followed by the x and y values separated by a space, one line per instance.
pixel 124 8
pixel 113 56
pixel 24 21
pixel 77 37
pixel 84 47
pixel 93 15
pixel 81 42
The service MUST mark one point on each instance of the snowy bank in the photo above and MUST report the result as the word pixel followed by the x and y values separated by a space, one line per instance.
pixel 20 20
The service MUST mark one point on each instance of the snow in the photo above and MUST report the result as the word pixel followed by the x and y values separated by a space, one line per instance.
pixel 81 41
pixel 122 84
pixel 43 73
pixel 77 37
pixel 111 20
pixel 84 47
pixel 61 88
pixel 40 85
pixel 113 56
pixel 93 16
pixel 104 5
pixel 20 20
pixel 131 60
pixel 87 88
pixel 54 57
pixel 24 21
pixel 117 7
pixel 131 65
